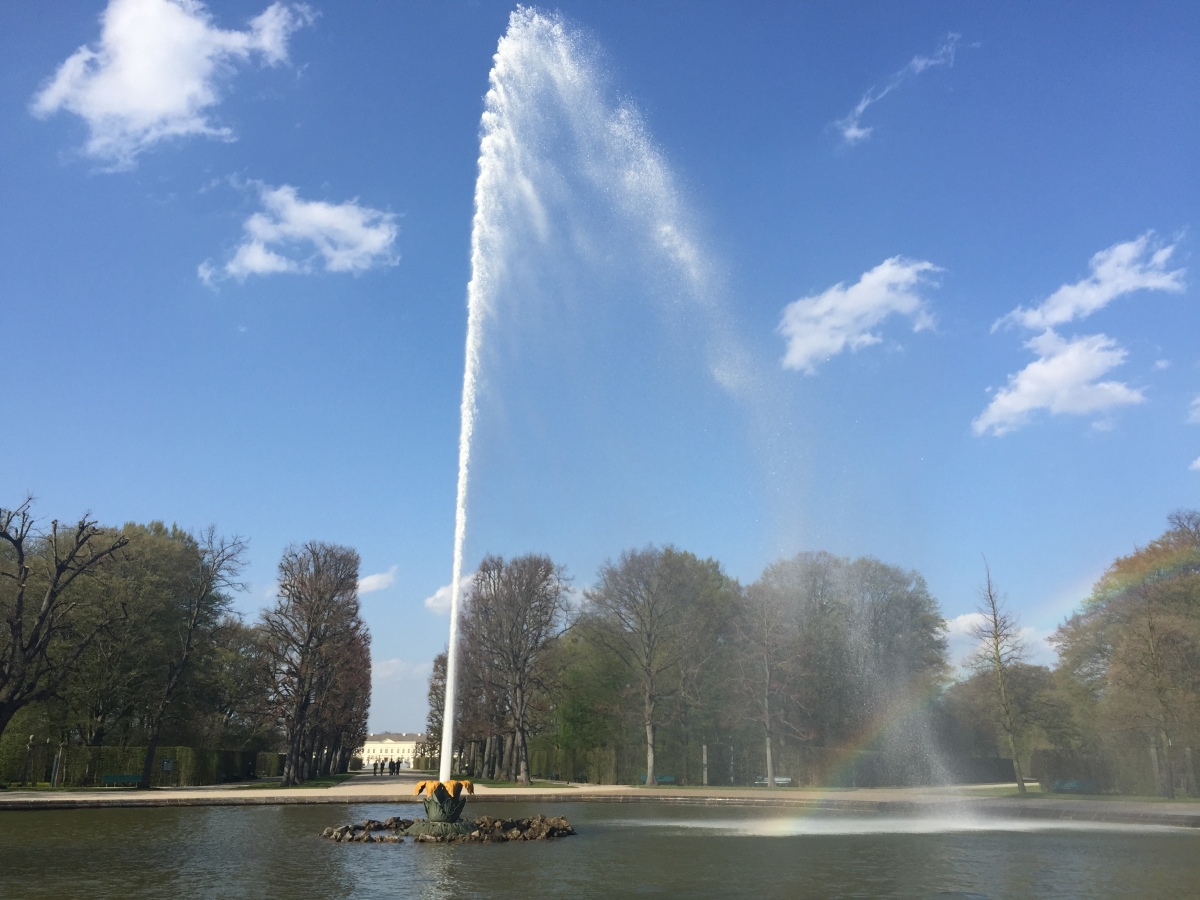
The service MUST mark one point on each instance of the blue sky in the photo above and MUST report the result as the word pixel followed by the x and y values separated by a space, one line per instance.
pixel 913 281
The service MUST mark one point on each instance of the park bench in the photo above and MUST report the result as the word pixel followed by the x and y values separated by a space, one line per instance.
pixel 1072 786
pixel 661 779
pixel 118 780
pixel 780 781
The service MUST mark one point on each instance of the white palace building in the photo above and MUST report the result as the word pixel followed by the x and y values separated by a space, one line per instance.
pixel 388 745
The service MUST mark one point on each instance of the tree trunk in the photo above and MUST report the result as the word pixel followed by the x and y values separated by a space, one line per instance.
pixel 1012 745
pixel 6 714
pixel 651 732
pixel 1169 782
pixel 148 762
pixel 510 770
pixel 651 781
pixel 1191 772
pixel 770 763
pixel 521 738
pixel 1158 783
pixel 704 764
pixel 522 749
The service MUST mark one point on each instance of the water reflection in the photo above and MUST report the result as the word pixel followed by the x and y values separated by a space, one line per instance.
pixel 274 852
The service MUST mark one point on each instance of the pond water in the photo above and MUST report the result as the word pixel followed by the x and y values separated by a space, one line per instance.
pixel 629 850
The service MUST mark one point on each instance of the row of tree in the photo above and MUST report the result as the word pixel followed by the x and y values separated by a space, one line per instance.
pixel 127 637
pixel 824 665
pixel 820 651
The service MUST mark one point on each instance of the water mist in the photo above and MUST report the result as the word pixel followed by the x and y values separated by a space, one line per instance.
pixel 569 177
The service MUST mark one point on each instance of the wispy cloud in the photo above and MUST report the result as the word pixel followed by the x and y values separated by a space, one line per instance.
pixel 1121 269
pixel 439 601
pixel 964 646
pixel 378 582
pixel 292 235
pixel 851 127
pixel 819 327
pixel 1064 379
pixel 155 73
pixel 398 671
pixel 1195 466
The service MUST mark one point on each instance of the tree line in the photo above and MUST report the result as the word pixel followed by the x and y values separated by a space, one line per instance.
pixel 823 669
pixel 670 655
pixel 128 637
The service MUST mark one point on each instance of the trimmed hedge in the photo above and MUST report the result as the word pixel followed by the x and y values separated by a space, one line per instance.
pixel 172 767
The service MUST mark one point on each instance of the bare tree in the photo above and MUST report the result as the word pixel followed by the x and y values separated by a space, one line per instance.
pixel 637 613
pixel 44 633
pixel 339 713
pixel 1186 523
pixel 1000 650
pixel 201 602
pixel 317 609
pixel 437 701
pixel 515 610
pixel 766 629
pixel 1153 672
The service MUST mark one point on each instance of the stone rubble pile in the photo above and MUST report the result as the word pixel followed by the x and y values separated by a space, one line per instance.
pixel 487 830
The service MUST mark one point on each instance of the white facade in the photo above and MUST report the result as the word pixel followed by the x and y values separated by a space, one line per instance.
pixel 390 746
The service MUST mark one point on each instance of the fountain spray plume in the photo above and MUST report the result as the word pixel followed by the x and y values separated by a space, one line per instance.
pixel 562 167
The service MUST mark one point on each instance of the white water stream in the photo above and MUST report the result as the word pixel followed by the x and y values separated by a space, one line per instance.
pixel 564 168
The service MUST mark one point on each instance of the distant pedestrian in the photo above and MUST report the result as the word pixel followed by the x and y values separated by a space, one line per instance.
pixel 374 768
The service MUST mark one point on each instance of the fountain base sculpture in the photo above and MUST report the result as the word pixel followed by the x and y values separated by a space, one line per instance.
pixel 444 802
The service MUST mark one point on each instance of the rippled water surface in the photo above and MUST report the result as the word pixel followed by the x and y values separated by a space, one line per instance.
pixel 274 852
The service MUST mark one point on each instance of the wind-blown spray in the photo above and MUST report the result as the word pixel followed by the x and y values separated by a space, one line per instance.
pixel 563 166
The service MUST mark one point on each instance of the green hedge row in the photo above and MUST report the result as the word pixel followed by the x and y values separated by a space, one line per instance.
pixel 173 766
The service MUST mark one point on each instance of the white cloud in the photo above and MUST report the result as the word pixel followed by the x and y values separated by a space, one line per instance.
pixel 155 73
pixel 439 601
pixel 396 671
pixel 851 126
pixel 1195 466
pixel 290 235
pixel 824 325
pixel 963 645
pixel 1121 269
pixel 378 582
pixel 1063 379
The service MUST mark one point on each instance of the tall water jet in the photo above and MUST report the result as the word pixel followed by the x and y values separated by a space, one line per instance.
pixel 569 176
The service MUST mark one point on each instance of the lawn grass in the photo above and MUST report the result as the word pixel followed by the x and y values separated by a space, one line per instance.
pixel 1034 792
pixel 1007 790
pixel 487 782
pixel 327 781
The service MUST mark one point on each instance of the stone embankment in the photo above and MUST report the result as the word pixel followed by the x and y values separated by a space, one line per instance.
pixel 486 830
